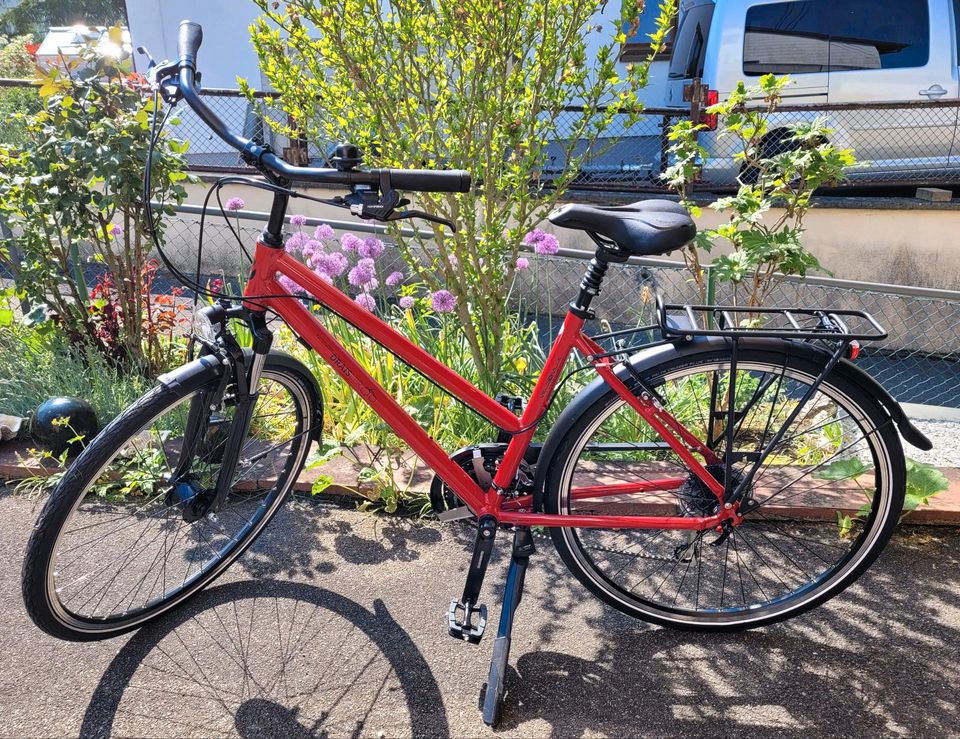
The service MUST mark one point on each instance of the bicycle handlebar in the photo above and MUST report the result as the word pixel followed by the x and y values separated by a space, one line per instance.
pixel 420 180
pixel 188 43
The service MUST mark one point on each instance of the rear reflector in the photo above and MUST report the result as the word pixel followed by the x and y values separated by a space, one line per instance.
pixel 710 120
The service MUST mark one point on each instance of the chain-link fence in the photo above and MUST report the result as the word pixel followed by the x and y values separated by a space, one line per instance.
pixel 894 143
pixel 918 363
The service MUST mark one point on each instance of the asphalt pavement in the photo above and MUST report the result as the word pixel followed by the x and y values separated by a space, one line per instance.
pixel 333 625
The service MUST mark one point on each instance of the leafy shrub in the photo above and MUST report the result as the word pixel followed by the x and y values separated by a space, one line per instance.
pixel 482 86
pixel 766 244
pixel 16 63
pixel 39 362
pixel 74 189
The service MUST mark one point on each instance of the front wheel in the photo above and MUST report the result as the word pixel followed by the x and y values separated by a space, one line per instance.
pixel 127 533
pixel 825 501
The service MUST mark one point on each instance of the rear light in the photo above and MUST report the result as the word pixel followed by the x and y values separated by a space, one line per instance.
pixel 710 120
pixel 853 351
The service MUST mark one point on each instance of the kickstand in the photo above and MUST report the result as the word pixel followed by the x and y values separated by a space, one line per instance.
pixel 522 549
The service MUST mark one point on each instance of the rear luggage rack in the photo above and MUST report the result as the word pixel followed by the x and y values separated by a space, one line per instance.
pixel 679 321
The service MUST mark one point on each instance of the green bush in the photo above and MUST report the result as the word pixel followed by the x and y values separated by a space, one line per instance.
pixel 483 86
pixel 764 222
pixel 74 189
pixel 39 362
pixel 16 63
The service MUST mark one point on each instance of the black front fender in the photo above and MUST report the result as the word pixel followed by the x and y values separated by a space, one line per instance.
pixel 207 368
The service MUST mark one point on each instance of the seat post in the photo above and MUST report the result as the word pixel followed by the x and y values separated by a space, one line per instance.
pixel 590 287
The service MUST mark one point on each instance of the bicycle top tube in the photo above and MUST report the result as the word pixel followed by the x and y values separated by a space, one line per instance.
pixel 184 71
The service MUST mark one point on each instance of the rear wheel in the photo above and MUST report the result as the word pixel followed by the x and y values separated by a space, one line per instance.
pixel 125 534
pixel 826 499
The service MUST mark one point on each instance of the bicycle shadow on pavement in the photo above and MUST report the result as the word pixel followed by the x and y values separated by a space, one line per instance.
pixel 265 658
pixel 880 660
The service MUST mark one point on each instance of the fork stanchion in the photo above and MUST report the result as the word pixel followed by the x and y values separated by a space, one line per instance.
pixel 523 547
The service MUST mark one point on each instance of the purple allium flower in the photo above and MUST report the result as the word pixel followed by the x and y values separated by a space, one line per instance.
pixel 542 242
pixel 394 278
pixel 522 263
pixel 365 300
pixel 117 231
pixel 289 285
pixel 235 204
pixel 296 242
pixel 407 302
pixel 336 263
pixel 298 220
pixel 452 259
pixel 324 232
pixel 443 301
pixel 363 274
pixel 349 242
pixel 311 248
pixel 324 277
pixel 549 245
pixel 370 248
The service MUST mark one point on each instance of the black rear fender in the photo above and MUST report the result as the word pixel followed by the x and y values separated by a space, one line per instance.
pixel 644 361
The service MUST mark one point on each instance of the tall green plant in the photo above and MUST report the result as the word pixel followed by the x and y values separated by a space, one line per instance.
pixel 73 190
pixel 780 169
pixel 484 86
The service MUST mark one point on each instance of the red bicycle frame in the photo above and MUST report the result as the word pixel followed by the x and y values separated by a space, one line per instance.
pixel 269 262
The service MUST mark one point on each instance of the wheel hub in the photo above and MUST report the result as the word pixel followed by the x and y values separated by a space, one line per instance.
pixel 696 499
pixel 194 499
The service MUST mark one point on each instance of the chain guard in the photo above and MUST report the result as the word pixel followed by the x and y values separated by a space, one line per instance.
pixel 442 498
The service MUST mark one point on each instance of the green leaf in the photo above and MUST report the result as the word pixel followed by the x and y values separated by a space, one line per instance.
pixel 923 482
pixel 843 469
pixel 320 484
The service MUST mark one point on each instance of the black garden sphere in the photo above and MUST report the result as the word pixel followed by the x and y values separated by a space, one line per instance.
pixel 58 422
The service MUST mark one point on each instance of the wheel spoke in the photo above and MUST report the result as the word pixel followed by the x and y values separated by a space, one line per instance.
pixel 789 541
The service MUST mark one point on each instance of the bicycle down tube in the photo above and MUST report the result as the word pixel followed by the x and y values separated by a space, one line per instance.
pixel 270 261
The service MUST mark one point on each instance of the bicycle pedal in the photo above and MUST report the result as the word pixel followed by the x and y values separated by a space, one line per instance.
pixel 465 629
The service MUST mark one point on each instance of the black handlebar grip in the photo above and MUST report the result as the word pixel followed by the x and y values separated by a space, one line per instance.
pixel 430 180
pixel 191 36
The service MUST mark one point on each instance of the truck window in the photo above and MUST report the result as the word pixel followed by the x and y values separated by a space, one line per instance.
pixel 879 34
pixel 829 35
pixel 786 38
pixel 691 42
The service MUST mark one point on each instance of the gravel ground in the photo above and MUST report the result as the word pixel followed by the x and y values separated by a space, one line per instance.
pixel 945 436
pixel 333 625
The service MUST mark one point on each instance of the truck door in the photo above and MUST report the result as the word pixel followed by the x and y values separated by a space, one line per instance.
pixel 898 51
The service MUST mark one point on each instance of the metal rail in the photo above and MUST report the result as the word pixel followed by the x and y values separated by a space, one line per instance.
pixel 586 256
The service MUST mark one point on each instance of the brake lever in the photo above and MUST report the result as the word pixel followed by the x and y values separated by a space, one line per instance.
pixel 396 216
pixel 368 205
pixel 158 74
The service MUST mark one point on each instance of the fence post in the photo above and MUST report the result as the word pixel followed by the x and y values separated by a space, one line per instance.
pixel 711 292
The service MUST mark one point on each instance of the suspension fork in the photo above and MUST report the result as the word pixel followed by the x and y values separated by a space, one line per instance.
pixel 248 380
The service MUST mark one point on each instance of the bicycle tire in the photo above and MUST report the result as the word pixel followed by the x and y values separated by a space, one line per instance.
pixel 39 575
pixel 889 489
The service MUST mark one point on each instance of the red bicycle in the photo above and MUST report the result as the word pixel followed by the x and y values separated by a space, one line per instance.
pixel 738 471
